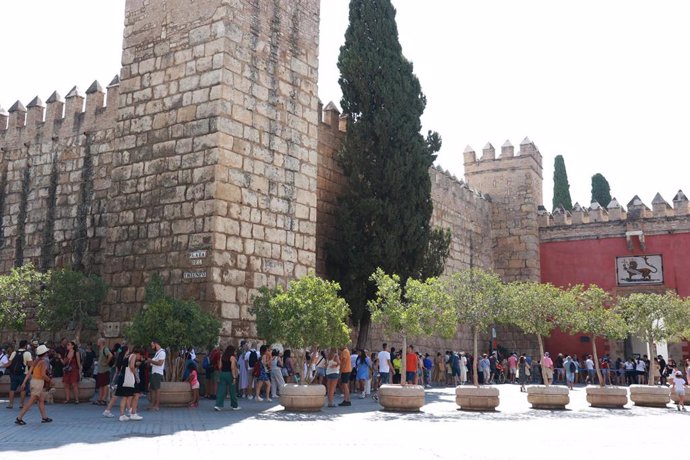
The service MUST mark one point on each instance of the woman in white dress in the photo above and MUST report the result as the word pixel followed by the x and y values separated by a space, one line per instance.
pixel 463 368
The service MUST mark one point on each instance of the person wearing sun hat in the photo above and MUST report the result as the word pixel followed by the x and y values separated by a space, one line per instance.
pixel 39 382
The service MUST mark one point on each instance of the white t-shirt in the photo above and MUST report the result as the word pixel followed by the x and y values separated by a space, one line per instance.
pixel 4 359
pixel 640 366
pixel 384 357
pixel 159 356
pixel 679 385
pixel 589 364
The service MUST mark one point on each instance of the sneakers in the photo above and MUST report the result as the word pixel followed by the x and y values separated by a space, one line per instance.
pixel 269 400
pixel 362 396
pixel 376 397
pixel 236 408
pixel 345 403
pixel 136 417
pixel 107 413
pixel 250 397
pixel 124 418
pixel 216 408
pixel 259 398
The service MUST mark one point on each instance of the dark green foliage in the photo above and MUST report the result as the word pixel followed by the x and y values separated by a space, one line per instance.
pixel 176 323
pixel 561 187
pixel 72 300
pixel 383 216
pixel 436 254
pixel 601 191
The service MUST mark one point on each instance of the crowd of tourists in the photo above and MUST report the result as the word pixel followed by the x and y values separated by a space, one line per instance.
pixel 123 374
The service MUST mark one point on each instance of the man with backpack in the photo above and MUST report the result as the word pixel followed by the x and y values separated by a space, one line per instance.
pixel 19 363
pixel 252 360
pixel 105 361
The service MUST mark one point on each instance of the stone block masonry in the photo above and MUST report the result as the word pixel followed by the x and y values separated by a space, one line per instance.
pixel 202 166
pixel 214 183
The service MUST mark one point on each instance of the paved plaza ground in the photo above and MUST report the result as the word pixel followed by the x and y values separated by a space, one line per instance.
pixel 263 430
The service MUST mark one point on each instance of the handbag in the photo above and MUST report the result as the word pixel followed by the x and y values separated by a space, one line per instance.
pixel 129 380
pixel 67 368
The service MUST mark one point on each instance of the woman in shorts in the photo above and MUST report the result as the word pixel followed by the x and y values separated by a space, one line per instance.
pixel 332 374
pixel 40 381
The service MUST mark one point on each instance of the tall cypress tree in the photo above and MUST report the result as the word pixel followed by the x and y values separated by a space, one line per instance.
pixel 601 191
pixel 383 218
pixel 561 187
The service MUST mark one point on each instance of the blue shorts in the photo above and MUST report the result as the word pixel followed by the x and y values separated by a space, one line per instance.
pixel 321 371
pixel 410 376
pixel 16 381
pixel 335 376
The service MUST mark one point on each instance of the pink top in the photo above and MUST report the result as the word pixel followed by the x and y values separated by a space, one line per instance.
pixel 512 362
pixel 193 378
pixel 548 363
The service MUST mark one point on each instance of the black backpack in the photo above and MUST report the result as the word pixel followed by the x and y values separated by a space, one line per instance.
pixel 253 358
pixel 573 367
pixel 17 365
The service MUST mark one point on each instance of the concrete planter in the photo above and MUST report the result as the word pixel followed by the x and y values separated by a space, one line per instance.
pixel 650 396
pixel 302 398
pixel 87 388
pixel 674 396
pixel 398 398
pixel 5 385
pixel 607 397
pixel 551 397
pixel 480 399
pixel 175 394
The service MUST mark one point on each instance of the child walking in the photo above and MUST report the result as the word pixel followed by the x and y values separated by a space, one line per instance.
pixel 193 380
pixel 679 387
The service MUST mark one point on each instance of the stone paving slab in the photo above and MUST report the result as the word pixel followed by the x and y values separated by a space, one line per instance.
pixel 264 430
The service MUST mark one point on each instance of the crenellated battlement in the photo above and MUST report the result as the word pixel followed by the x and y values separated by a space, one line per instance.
pixel 58 117
pixel 451 181
pixel 528 150
pixel 636 210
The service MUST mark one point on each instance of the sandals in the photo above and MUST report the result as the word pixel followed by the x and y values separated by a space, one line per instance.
pixel 19 421
pixel 46 420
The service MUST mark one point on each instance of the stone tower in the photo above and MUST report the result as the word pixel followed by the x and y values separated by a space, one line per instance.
pixel 214 178
pixel 514 185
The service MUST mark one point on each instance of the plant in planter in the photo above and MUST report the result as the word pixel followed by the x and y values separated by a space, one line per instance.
pixel 538 309
pixel 306 315
pixel 594 317
pixel 476 297
pixel 178 325
pixel 653 318
pixel 421 308
pixel 72 300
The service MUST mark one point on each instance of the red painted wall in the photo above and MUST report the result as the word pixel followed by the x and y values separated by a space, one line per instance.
pixel 593 261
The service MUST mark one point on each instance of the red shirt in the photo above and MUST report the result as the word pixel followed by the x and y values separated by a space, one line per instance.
pixel 411 363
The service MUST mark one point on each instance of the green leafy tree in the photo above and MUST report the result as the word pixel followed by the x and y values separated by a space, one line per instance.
pixel 72 300
pixel 654 318
pixel 594 316
pixel 384 213
pixel 478 300
pixel 601 191
pixel 538 309
pixel 20 291
pixel 178 324
pixel 306 315
pixel 561 187
pixel 418 309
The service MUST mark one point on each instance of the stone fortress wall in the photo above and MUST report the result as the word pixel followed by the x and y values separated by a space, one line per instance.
pixel 201 166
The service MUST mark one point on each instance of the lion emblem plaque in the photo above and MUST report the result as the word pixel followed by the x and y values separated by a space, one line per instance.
pixel 634 270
